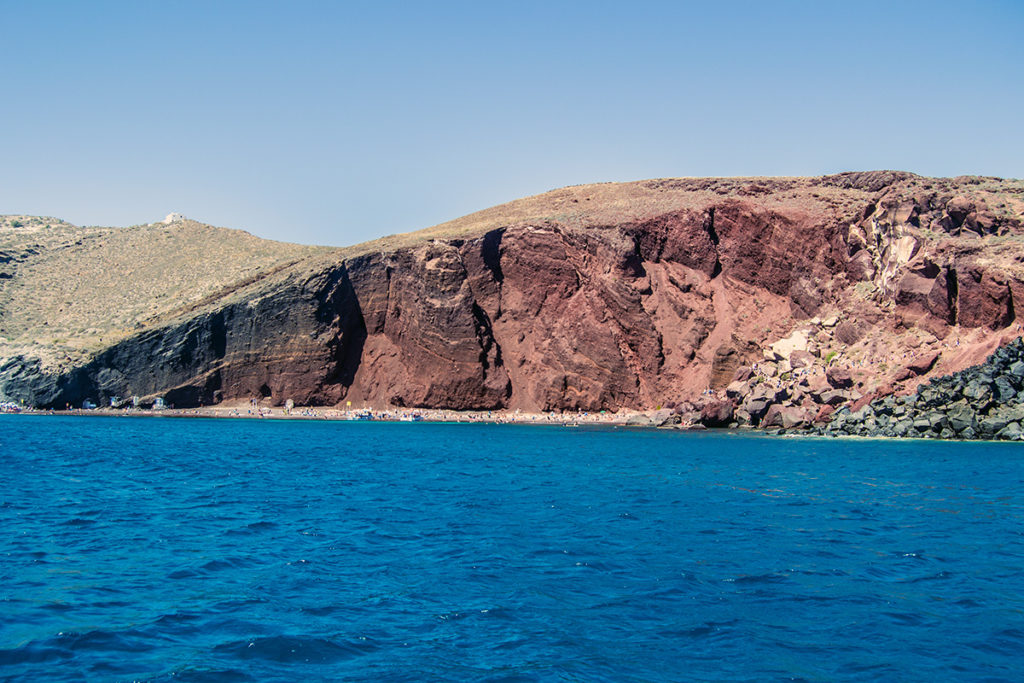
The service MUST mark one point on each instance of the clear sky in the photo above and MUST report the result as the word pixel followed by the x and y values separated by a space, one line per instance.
pixel 337 122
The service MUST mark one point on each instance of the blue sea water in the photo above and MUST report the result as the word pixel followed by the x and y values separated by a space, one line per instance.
pixel 204 550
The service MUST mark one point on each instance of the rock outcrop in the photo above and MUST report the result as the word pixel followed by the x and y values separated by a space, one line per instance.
pixel 733 301
pixel 985 401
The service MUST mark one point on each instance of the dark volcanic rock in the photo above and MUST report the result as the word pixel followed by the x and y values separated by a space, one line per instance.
pixel 981 402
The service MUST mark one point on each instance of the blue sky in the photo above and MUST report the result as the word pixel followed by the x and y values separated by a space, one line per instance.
pixel 337 122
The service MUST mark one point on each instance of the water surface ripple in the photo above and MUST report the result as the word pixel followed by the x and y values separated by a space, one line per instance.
pixel 200 550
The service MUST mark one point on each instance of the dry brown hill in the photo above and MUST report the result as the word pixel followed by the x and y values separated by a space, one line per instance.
pixel 67 291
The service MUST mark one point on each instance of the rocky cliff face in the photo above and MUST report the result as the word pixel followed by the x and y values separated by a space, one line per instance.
pixel 639 295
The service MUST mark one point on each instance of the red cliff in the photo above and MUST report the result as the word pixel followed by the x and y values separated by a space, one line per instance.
pixel 601 297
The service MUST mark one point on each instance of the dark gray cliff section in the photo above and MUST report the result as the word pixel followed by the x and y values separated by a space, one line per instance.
pixel 300 340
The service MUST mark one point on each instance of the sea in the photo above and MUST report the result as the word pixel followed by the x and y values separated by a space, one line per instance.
pixel 167 549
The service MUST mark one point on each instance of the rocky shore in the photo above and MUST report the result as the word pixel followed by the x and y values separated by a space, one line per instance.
pixel 981 402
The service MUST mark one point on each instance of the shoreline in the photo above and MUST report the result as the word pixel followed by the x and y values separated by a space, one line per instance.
pixel 631 420
pixel 621 419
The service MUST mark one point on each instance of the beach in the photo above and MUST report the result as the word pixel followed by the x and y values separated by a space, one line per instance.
pixel 235 410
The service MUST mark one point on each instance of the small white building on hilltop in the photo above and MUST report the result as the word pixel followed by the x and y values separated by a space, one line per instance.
pixel 173 217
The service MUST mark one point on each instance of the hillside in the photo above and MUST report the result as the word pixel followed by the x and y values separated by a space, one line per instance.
pixel 67 291
pixel 594 297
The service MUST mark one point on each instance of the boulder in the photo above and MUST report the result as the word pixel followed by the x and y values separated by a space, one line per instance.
pixel 983 221
pixel 861 267
pixel 960 416
pixel 989 426
pixel 913 290
pixel 801 359
pixel 945 224
pixel 794 417
pixel 690 417
pixel 737 390
pixel 1009 412
pixel 918 366
pixel 833 397
pixel 839 377
pixel 784 416
pixel 938 421
pixel 743 373
pixel 664 417
pixel 817 382
pixel 717 414
pixel 922 423
pixel 886 406
pixel 860 403
pixel 772 393
pixel 1017 369
pixel 824 412
pixel 849 332
pixel 903 427
pixel 1011 432
pixel 773 416
pixel 756 408
pixel 784 348
pixel 980 395
pixel 931 396
pixel 1003 390
pixel 959 208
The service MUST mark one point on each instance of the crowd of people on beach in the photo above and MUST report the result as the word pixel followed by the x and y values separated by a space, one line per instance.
pixel 254 410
